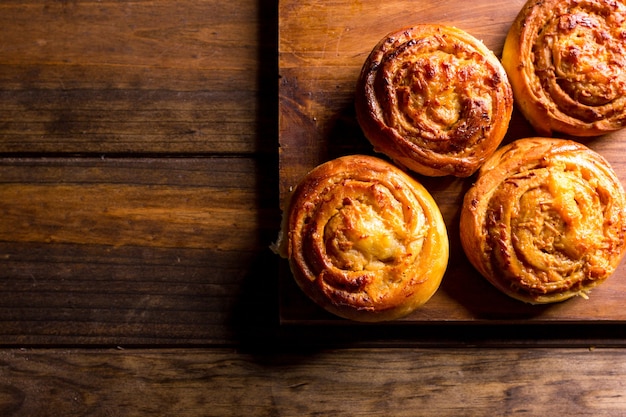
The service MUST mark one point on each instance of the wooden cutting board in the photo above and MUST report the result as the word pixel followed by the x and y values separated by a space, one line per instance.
pixel 322 46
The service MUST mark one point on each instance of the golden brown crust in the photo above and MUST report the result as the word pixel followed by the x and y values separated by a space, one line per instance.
pixel 566 60
pixel 434 99
pixel 545 220
pixel 364 240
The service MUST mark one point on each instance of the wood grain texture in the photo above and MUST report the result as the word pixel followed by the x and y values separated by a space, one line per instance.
pixel 321 51
pixel 113 77
pixel 353 382
pixel 137 171
pixel 129 250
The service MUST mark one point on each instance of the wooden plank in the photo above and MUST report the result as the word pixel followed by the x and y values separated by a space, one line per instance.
pixel 144 77
pixel 217 382
pixel 132 251
pixel 321 50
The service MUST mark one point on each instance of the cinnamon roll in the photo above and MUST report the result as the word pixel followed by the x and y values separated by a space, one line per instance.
pixel 364 240
pixel 434 99
pixel 566 60
pixel 545 220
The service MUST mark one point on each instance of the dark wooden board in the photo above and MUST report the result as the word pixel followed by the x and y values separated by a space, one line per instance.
pixel 149 77
pixel 322 46
pixel 133 250
pixel 354 382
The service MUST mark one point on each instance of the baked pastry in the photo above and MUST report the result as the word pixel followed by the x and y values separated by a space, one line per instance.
pixel 434 99
pixel 566 60
pixel 545 220
pixel 364 240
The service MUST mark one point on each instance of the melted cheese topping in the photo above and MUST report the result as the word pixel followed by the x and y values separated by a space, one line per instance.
pixel 549 217
pixel 365 240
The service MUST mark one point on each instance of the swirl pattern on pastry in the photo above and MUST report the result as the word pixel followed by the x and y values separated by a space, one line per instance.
pixel 566 60
pixel 364 239
pixel 545 220
pixel 434 99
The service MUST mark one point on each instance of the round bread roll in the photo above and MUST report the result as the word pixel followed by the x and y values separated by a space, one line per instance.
pixel 566 60
pixel 364 240
pixel 545 220
pixel 434 99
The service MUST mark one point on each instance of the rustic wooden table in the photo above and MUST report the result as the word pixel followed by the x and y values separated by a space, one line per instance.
pixel 139 189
